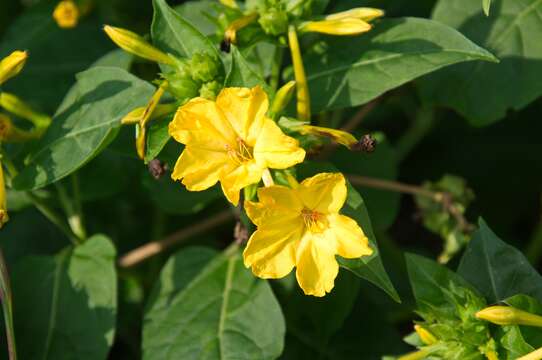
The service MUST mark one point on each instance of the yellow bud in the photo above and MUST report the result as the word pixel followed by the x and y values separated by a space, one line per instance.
pixel 346 26
pixel 66 14
pixel 230 35
pixel 338 136
pixel 135 44
pixel 136 116
pixel 3 201
pixel 362 13
pixel 18 107
pixel 283 97
pixel 10 133
pixel 12 65
pixel 492 355
pixel 303 96
pixel 229 3
pixel 424 334
pixel 507 315
pixel 145 116
pixel 535 355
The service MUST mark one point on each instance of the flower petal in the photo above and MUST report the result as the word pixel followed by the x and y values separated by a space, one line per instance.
pixel 325 192
pixel 276 204
pixel 243 175
pixel 200 169
pixel 200 123
pixel 317 267
pixel 245 110
pixel 349 237
pixel 271 253
pixel 276 150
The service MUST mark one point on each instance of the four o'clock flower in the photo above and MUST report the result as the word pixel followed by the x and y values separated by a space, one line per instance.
pixel 301 227
pixel 231 141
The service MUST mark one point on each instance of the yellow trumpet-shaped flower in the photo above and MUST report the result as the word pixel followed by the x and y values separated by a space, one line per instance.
pixel 136 45
pixel 12 65
pixel 508 315
pixel 66 14
pixel 230 140
pixel 362 13
pixel 301 227
pixel 343 26
pixel 338 136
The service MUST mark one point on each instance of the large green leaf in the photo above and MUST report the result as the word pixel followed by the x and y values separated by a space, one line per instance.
pixel 55 54
pixel 208 306
pixel 367 267
pixel 497 269
pixel 85 123
pixel 203 14
pixel 482 91
pixel 172 33
pixel 65 306
pixel 352 71
pixel 241 74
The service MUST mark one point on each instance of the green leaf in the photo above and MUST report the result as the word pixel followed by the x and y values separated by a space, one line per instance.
pixel 497 269
pixel 430 282
pixel 65 306
pixel 202 14
pixel 55 54
pixel 481 91
pixel 368 267
pixel 241 74
pixel 486 4
pixel 157 137
pixel 85 123
pixel 350 71
pixel 209 306
pixel 115 58
pixel 531 335
pixel 172 33
pixel 172 197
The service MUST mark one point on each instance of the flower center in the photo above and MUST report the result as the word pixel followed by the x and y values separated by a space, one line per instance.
pixel 242 153
pixel 314 221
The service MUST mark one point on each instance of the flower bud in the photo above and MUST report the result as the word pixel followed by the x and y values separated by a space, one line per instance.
pixel 19 108
pixel 362 13
pixel 10 133
pixel 507 315
pixel 229 3
pixel 283 97
pixel 425 336
pixel 274 22
pixel 230 35
pixel 210 90
pixel 182 86
pixel 66 14
pixel 12 65
pixel 347 26
pixel 338 136
pixel 135 44
pixel 203 67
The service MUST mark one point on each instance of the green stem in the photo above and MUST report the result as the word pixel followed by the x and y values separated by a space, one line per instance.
pixel 422 124
pixel 74 218
pixel 53 217
pixel 275 69
pixel 78 205
pixel 6 300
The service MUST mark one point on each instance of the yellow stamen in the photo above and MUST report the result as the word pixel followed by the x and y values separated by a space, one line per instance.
pixel 314 221
pixel 18 107
pixel 535 355
pixel 303 96
pixel 362 13
pixel 135 44
pixel 507 315
pixel 66 14
pixel 230 35
pixel 12 65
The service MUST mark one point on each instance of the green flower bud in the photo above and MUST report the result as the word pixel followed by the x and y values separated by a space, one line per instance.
pixel 182 86
pixel 210 90
pixel 274 22
pixel 203 67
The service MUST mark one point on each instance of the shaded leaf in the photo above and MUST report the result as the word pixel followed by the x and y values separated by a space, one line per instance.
pixel 241 74
pixel 481 91
pixel 7 308
pixel 209 306
pixel 352 71
pixel 497 269
pixel 85 123
pixel 75 313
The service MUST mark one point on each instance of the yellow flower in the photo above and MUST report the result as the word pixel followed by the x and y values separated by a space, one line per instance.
pixel 230 140
pixel 66 14
pixel 12 65
pixel 302 228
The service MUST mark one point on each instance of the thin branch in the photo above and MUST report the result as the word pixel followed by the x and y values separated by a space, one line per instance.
pixel 443 198
pixel 360 115
pixel 144 252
